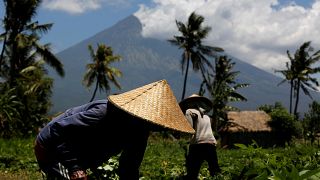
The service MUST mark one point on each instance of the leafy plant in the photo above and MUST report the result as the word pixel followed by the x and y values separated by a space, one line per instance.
pixel 100 70
pixel 164 159
pixel 191 42
pixel 223 89
pixel 282 122
pixel 275 166
pixel 311 121
pixel 9 113
pixel 107 170
pixel 292 173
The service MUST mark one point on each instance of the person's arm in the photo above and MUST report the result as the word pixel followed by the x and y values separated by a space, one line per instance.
pixel 192 118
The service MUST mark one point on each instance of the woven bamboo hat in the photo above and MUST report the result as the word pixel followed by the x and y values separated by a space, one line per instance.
pixel 195 98
pixel 154 103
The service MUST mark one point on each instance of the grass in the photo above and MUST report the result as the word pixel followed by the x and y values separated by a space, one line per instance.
pixel 164 159
pixel 17 160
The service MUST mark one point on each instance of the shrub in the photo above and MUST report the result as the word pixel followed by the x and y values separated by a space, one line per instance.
pixel 282 122
pixel 24 108
pixel 311 121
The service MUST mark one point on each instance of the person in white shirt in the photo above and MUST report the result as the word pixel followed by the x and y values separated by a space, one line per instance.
pixel 203 143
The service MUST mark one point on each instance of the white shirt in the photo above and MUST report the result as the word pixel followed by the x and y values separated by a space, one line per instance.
pixel 202 126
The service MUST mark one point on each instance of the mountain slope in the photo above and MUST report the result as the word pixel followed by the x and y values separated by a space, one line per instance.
pixel 145 60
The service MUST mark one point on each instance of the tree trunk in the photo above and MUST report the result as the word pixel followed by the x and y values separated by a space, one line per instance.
pixel 297 100
pixel 95 91
pixel 185 78
pixel 291 90
pixel 2 51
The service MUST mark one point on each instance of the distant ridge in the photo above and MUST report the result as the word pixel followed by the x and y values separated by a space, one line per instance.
pixel 145 60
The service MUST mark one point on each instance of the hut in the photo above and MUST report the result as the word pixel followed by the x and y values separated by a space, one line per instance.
pixel 245 126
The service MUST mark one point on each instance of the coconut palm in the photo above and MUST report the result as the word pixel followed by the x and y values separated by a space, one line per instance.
pixel 289 77
pixel 301 70
pixel 190 40
pixel 21 38
pixel 222 87
pixel 100 70
pixel 304 69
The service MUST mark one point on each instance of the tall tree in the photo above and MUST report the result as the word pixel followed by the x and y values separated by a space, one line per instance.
pixel 100 70
pixel 190 40
pixel 21 38
pixel 22 68
pixel 222 86
pixel 289 75
pixel 301 72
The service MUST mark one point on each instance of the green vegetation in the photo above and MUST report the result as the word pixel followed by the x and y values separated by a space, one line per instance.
pixel 282 122
pixel 17 160
pixel 100 70
pixel 25 91
pixel 164 159
pixel 311 122
pixel 300 71
pixel 222 87
pixel 25 87
pixel 191 42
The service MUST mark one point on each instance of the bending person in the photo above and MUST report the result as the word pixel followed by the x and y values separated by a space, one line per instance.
pixel 84 137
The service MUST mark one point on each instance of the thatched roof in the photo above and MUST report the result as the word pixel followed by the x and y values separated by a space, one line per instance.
pixel 247 121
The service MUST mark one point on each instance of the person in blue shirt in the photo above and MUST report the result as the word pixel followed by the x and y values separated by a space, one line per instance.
pixel 85 136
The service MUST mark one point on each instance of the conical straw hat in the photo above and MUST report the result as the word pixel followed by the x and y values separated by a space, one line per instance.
pixel 194 98
pixel 154 103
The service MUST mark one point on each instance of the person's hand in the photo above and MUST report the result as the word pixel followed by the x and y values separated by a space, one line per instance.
pixel 194 116
pixel 78 175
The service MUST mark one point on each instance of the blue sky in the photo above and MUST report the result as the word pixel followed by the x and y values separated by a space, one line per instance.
pixel 72 25
pixel 256 31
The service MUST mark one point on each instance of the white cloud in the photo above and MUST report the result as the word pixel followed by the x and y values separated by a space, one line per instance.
pixel 253 31
pixel 81 6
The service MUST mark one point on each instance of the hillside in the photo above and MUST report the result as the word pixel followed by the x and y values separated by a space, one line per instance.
pixel 145 60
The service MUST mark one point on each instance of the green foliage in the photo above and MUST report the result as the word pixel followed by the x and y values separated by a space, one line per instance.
pixel 282 122
pixel 222 87
pixel 25 88
pixel 9 114
pixel 100 70
pixel 300 72
pixel 266 164
pixel 107 170
pixel 164 159
pixel 26 105
pixel 17 154
pixel 311 121
pixel 191 42
pixel 292 173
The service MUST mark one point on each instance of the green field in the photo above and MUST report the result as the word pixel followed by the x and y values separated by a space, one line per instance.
pixel 164 159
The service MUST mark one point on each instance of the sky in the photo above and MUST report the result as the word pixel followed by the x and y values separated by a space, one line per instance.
pixel 258 32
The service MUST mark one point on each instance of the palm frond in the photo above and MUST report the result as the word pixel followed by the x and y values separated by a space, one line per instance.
pixel 50 58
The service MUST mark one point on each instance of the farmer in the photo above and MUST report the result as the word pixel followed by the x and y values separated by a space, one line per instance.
pixel 85 136
pixel 202 144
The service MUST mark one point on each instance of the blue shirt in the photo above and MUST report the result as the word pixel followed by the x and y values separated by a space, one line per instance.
pixel 87 135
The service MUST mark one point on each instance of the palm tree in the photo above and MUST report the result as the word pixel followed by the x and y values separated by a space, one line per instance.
pixel 222 87
pixel 301 70
pixel 22 68
pixel 21 38
pixel 190 40
pixel 304 68
pixel 100 70
pixel 289 76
